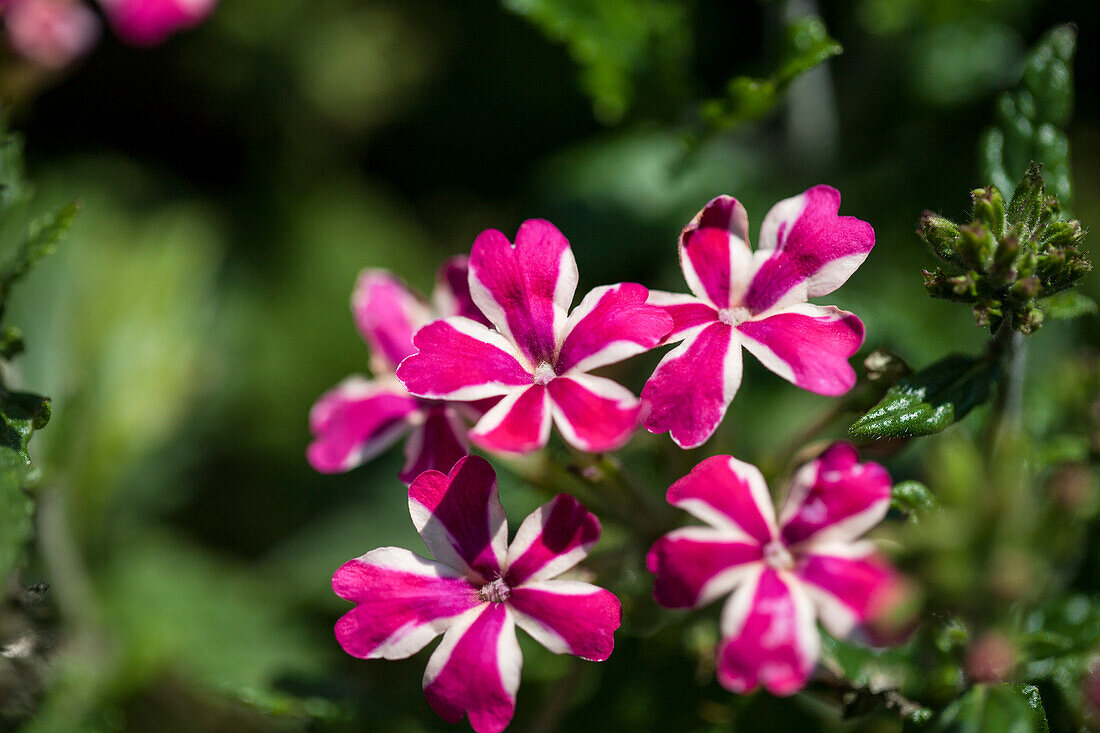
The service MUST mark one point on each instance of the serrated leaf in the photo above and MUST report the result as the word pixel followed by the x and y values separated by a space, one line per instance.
pixel 20 415
pixel 41 239
pixel 1067 304
pixel 930 400
pixel 1005 708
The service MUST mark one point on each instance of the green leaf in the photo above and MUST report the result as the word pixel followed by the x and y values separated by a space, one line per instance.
pixel 913 499
pixel 806 44
pixel 41 239
pixel 930 400
pixel 1030 120
pixel 1068 304
pixel 1005 708
pixel 20 415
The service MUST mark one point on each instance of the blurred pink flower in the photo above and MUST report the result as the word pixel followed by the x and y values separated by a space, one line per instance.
pixel 50 33
pixel 781 577
pixel 149 22
pixel 476 592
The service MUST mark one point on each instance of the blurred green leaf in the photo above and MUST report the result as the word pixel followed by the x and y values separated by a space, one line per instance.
pixel 806 44
pixel 912 498
pixel 930 400
pixel 1005 708
pixel 1030 120
pixel 41 240
pixel 1068 304
pixel 20 415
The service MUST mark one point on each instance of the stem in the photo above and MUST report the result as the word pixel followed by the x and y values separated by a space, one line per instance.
pixel 1009 348
pixel 856 699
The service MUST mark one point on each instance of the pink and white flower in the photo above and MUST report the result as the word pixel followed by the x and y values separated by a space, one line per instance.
pixel 756 300
pixel 780 576
pixel 539 355
pixel 149 22
pixel 475 593
pixel 361 417
pixel 50 33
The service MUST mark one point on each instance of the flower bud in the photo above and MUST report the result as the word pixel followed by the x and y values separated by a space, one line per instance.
pixel 991 658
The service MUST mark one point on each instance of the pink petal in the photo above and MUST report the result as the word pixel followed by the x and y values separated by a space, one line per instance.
pixel 436 444
pixel 50 33
pixel 460 359
pixel 687 312
pixel 149 22
pixel 849 584
pixel 715 254
pixel 695 565
pixel 355 421
pixel 808 345
pixel 612 323
pixel 594 414
pixel 835 498
pixel 460 518
pixel 402 602
pixel 526 291
pixel 568 617
pixel 552 539
pixel 693 385
pixel 814 250
pixel 452 290
pixel 475 670
pixel 519 423
pixel 387 315
pixel 729 495
pixel 770 638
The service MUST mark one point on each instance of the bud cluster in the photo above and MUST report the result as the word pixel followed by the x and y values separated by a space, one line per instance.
pixel 1006 259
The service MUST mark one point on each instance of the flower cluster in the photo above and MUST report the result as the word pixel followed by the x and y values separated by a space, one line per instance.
pixel 502 348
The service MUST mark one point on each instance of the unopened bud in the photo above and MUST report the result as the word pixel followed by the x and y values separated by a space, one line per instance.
pixel 991 658
pixel 940 234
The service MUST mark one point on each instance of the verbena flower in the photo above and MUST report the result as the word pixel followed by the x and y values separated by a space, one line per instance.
pixel 50 33
pixel 361 417
pixel 779 577
pixel 475 592
pixel 149 22
pixel 539 355
pixel 756 300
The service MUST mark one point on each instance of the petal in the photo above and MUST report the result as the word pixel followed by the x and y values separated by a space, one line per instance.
pixel 835 498
pixel 460 518
pixel 612 323
pixel 687 311
pixel 355 421
pixel 729 495
pixel 387 315
pixel 475 670
pixel 813 251
pixel 460 359
pixel 525 291
pixel 691 388
pixel 808 345
pixel 715 254
pixel 435 444
pixel 594 414
pixel 452 290
pixel 552 539
pixel 519 423
pixel 695 565
pixel 568 617
pixel 848 582
pixel 770 637
pixel 402 602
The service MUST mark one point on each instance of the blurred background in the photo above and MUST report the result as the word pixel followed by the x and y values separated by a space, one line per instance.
pixel 236 179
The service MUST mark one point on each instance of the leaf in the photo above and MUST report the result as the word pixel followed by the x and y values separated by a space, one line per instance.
pixel 1067 304
pixel 41 239
pixel 806 44
pixel 20 415
pixel 1030 119
pixel 930 400
pixel 912 498
pixel 1005 708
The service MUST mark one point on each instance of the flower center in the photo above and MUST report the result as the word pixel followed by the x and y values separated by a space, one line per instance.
pixel 777 556
pixel 544 374
pixel 734 316
pixel 495 592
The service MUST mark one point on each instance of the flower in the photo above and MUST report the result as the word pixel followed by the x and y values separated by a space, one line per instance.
pixel 149 22
pixel 361 417
pixel 779 578
pixel 756 300
pixel 476 591
pixel 50 33
pixel 539 356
